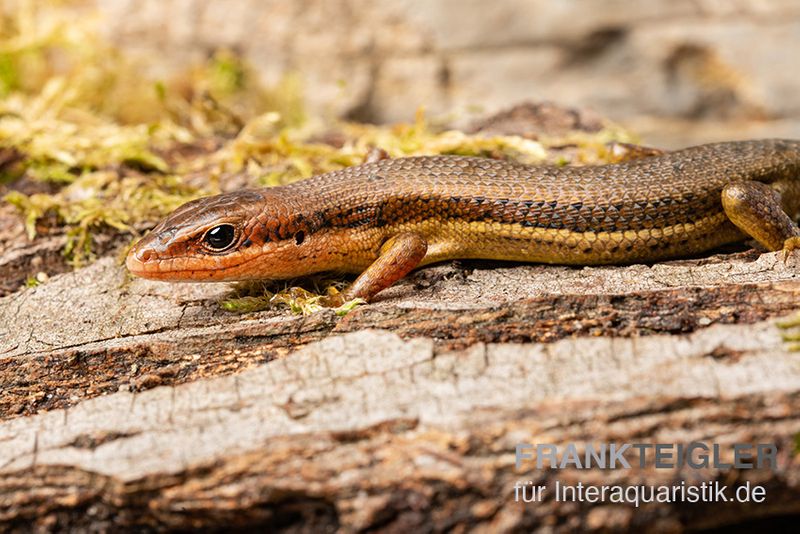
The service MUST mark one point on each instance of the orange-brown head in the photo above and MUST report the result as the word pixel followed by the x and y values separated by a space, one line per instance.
pixel 235 236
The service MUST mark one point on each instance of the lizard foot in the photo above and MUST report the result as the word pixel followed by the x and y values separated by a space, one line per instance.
pixel 790 245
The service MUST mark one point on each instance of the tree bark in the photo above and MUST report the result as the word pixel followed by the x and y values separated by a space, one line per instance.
pixel 129 404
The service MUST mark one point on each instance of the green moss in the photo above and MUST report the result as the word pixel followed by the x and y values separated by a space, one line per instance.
pixel 791 322
pixel 83 119
pixel 304 296
pixel 247 304
pixel 227 73
pixel 311 295
pixel 791 332
pixel 348 306
pixel 98 201
pixel 8 75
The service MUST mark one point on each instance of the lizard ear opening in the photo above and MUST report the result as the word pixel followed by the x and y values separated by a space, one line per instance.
pixel 299 237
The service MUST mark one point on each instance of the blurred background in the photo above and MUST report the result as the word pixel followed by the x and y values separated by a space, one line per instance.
pixel 675 71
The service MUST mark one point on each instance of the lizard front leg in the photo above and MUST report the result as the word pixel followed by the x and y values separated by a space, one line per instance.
pixel 398 256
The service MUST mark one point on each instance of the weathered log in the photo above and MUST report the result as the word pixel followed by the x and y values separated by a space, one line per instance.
pixel 135 334
pixel 367 431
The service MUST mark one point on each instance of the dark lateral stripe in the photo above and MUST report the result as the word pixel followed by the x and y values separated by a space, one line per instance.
pixel 549 214
pixel 544 214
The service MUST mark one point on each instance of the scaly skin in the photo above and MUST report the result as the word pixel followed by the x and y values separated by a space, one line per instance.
pixel 386 217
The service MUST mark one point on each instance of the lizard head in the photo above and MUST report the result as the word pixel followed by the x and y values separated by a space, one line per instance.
pixel 222 238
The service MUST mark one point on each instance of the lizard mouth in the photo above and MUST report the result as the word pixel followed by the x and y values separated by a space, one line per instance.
pixel 170 270
pixel 145 261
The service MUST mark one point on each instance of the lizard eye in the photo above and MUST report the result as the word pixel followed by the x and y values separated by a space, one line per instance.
pixel 220 237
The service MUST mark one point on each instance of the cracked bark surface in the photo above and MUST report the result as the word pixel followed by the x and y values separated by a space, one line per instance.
pixel 134 334
pixel 367 430
pixel 135 404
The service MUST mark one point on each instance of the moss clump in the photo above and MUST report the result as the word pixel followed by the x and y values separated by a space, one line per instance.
pixel 99 201
pixel 312 295
pixel 104 141
pixel 791 332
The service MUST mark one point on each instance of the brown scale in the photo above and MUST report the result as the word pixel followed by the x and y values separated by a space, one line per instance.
pixel 387 217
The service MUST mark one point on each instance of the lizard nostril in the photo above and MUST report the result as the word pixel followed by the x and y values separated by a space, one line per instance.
pixel 144 255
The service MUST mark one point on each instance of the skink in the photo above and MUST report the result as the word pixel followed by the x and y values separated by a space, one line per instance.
pixel 385 218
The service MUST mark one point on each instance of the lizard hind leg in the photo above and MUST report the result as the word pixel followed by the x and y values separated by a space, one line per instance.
pixel 756 209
